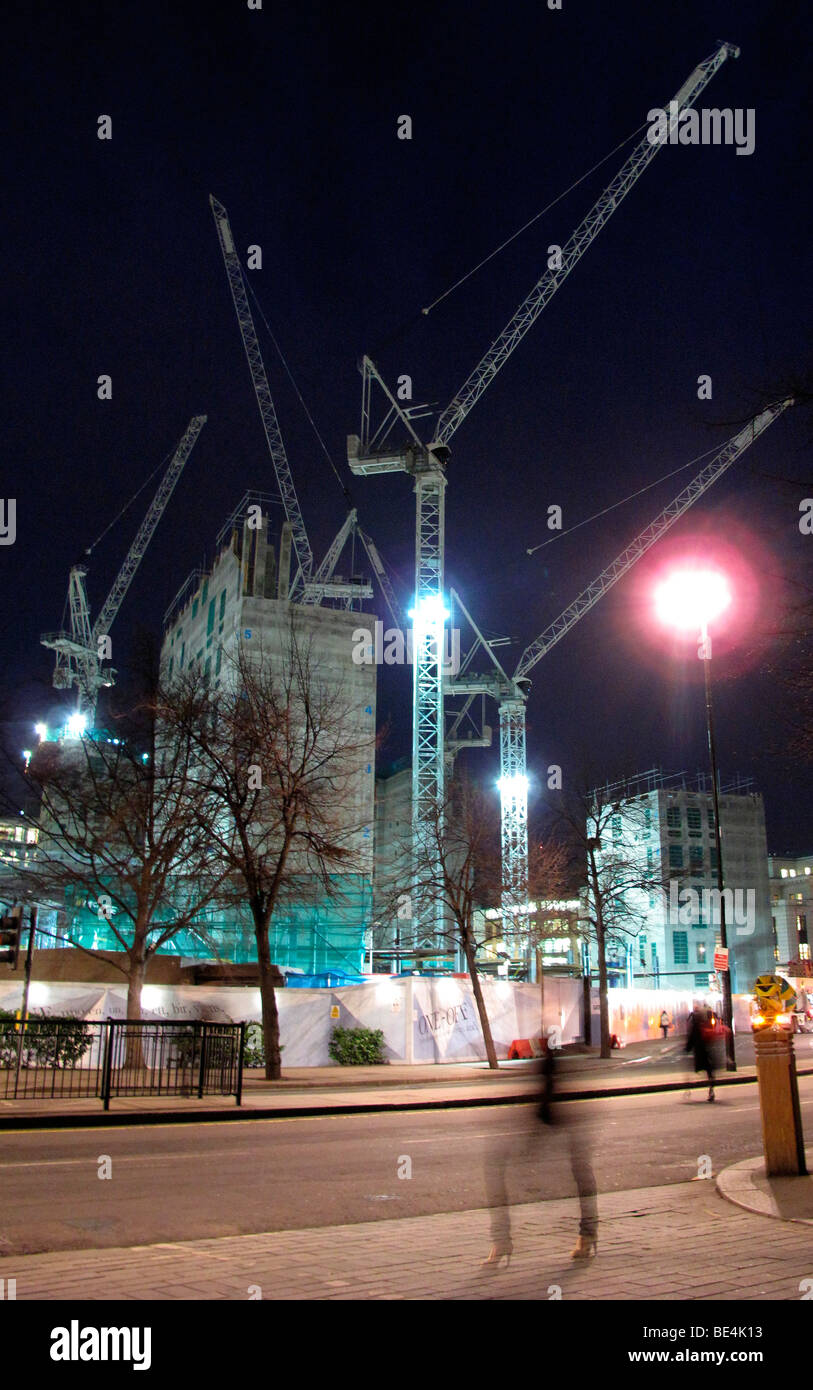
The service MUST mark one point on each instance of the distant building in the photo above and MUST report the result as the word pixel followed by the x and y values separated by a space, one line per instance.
pixel 393 838
pixel 555 934
pixel 665 827
pixel 18 843
pixel 791 884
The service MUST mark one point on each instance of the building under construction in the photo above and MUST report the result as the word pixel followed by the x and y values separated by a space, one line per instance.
pixel 243 598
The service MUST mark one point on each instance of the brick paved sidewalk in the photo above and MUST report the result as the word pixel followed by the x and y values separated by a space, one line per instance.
pixel 681 1242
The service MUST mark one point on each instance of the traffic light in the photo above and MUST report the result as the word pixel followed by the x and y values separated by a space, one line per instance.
pixel 10 932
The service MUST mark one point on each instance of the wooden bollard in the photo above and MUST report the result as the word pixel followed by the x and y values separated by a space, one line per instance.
pixel 782 1137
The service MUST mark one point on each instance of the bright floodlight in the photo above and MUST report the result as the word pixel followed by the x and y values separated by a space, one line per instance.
pixel 430 611
pixel 76 726
pixel 41 730
pixel 691 599
pixel 515 786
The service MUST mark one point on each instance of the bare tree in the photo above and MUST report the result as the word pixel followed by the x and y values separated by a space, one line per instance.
pixel 121 831
pixel 281 756
pixel 455 864
pixel 606 836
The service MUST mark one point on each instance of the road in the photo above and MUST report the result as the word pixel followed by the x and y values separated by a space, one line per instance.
pixel 185 1182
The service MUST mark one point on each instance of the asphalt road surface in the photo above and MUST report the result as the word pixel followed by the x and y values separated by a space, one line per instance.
pixel 185 1182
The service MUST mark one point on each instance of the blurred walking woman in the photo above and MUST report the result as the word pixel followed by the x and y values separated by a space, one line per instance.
pixel 700 1041
pixel 573 1123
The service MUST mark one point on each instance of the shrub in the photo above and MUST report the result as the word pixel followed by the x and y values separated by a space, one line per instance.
pixel 253 1048
pixel 54 1042
pixel 8 1038
pixel 357 1047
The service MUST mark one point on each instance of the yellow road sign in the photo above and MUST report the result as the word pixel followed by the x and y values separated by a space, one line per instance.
pixel 774 994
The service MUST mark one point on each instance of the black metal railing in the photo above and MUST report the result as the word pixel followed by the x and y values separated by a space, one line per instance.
pixel 67 1058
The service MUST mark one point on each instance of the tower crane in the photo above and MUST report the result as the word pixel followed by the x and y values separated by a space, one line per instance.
pixel 81 651
pixel 511 693
pixel 262 391
pixel 307 587
pixel 376 451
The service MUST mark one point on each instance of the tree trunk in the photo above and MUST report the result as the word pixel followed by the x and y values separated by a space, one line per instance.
pixel 481 1007
pixel 268 996
pixel 134 1052
pixel 135 984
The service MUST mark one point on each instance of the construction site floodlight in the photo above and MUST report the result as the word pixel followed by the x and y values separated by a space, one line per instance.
pixel 514 786
pixel 76 725
pixel 691 599
pixel 41 730
pixel 429 611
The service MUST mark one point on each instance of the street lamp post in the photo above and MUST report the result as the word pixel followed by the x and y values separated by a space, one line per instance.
pixel 704 651
pixel 691 600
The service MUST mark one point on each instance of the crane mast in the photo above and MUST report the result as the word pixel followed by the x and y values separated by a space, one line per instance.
pixel 262 391
pixel 371 452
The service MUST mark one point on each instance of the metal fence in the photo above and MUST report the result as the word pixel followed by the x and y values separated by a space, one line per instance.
pixel 68 1058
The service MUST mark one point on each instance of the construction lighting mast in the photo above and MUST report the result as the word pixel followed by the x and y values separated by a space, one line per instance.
pixel 373 452
pixel 81 651
pixel 512 693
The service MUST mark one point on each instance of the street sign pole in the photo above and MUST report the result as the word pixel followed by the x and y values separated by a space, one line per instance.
pixel 29 955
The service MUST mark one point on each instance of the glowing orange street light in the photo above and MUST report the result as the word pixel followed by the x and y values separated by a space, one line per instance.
pixel 689 600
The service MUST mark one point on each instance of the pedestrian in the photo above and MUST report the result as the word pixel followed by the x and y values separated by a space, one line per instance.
pixel 665 1022
pixel 700 1041
pixel 505 1152
pixel 581 1160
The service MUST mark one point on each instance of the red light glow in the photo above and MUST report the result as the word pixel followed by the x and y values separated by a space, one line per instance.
pixel 691 599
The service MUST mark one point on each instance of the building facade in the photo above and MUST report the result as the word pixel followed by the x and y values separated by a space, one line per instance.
pixel 791 885
pixel 662 830
pixel 242 600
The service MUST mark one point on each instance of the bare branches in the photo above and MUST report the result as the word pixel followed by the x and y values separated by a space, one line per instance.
pixel 282 760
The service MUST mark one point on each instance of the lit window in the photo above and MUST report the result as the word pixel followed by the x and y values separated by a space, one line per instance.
pixel 784 873
pixel 793 873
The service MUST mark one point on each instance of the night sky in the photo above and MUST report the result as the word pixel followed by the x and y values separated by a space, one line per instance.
pixel 289 116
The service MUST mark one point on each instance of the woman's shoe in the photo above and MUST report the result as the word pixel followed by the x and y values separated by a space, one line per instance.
pixel 711 1093
pixel 585 1248
pixel 501 1250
